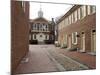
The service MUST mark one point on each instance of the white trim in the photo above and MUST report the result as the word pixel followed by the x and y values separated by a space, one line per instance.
pixel 75 38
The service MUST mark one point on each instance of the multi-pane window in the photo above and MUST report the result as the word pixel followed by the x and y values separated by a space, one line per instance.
pixel 78 13
pixel 88 10
pixel 72 17
pixel 74 37
pixel 75 15
pixel 38 26
pixel 83 11
pixel 46 37
pixel 23 5
pixel 46 27
pixel 34 36
pixel 33 26
pixel 92 9
pixel 68 20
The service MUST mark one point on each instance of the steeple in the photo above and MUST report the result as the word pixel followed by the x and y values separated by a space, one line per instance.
pixel 40 12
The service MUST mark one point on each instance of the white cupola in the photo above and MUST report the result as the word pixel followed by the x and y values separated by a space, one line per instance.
pixel 40 13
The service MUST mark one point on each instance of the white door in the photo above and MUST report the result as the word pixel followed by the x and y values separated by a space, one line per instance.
pixel 83 43
pixel 93 42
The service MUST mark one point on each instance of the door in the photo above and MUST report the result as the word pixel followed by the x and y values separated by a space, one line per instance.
pixel 41 38
pixel 69 41
pixel 93 41
pixel 83 42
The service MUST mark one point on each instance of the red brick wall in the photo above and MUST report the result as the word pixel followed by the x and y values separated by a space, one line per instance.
pixel 19 34
pixel 86 24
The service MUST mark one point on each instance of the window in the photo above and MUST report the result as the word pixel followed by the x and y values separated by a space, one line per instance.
pixel 75 15
pixel 84 11
pixel 46 27
pixel 34 36
pixel 63 23
pixel 88 10
pixel 23 5
pixel 43 27
pixel 72 17
pixel 38 26
pixel 92 9
pixel 69 19
pixel 79 13
pixel 74 38
pixel 66 21
pixel 33 27
pixel 46 37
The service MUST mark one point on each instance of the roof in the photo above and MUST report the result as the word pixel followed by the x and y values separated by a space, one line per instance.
pixel 39 19
pixel 68 13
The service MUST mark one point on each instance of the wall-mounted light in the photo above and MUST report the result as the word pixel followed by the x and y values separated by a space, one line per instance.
pixel 78 35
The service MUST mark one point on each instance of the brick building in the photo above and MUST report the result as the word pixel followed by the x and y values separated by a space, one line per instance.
pixel 77 29
pixel 41 30
pixel 19 32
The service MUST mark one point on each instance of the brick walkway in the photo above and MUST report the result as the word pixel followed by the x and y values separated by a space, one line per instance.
pixel 48 58
pixel 38 62
pixel 83 58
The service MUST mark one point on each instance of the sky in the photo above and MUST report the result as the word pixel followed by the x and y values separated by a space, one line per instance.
pixel 52 10
pixel 49 10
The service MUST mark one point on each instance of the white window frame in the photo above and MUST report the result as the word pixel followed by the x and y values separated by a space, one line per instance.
pixel 33 37
pixel 75 15
pixel 69 19
pixel 88 10
pixel 94 9
pixel 83 11
pixel 72 17
pixel 75 38
pixel 78 13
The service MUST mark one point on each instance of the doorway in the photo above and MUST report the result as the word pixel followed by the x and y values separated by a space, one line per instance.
pixel 83 42
pixel 69 41
pixel 93 41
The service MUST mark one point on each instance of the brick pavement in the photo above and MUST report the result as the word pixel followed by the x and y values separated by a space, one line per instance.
pixel 68 63
pixel 83 58
pixel 38 62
